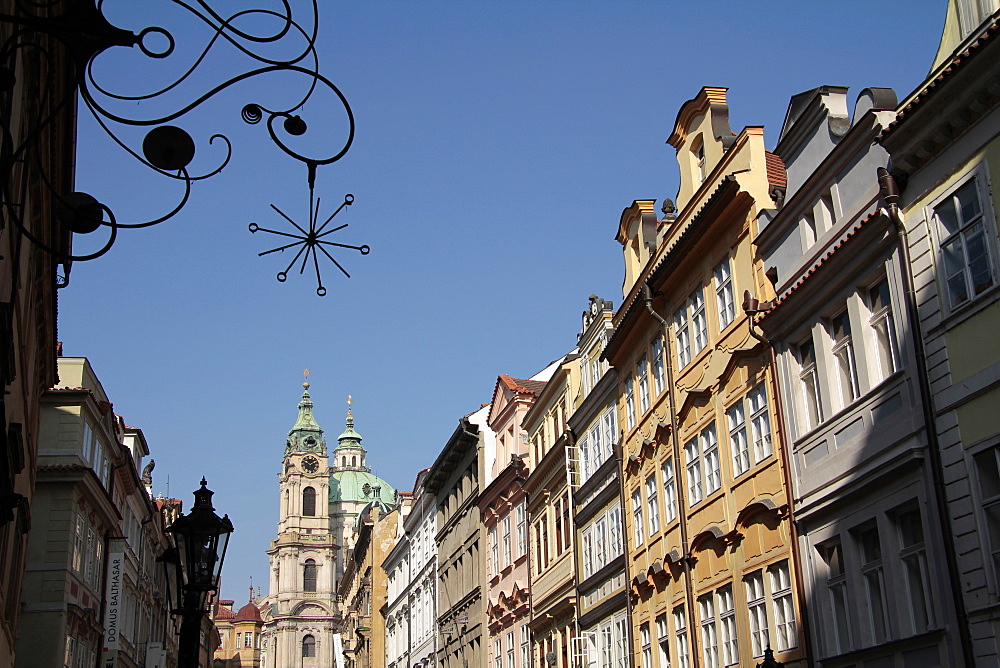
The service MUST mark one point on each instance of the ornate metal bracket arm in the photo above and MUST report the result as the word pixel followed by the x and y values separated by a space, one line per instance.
pixel 82 34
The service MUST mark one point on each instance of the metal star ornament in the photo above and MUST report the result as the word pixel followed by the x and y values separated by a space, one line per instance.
pixel 311 240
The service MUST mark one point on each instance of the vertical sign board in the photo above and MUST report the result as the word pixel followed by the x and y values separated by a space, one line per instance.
pixel 113 601
pixel 156 656
pixel 338 651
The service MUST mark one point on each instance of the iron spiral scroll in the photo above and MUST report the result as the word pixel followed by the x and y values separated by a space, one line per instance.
pixel 55 33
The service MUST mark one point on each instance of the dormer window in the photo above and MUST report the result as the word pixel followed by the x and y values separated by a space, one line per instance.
pixel 698 149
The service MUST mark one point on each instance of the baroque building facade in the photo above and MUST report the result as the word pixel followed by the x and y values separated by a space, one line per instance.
pixel 321 496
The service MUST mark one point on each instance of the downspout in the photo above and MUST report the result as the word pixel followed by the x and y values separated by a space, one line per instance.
pixel 647 295
pixel 619 456
pixel 890 193
pixel 786 472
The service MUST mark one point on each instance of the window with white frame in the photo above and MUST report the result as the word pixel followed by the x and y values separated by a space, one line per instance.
pixel 682 338
pixel 511 648
pixel 692 457
pixel 786 634
pixel 710 454
pixel 659 370
pixel 645 638
pixel 637 517
pixel 669 491
pixel 725 293
pixel 727 626
pixel 602 540
pixel 615 535
pixel 869 547
pixel 709 630
pixel 843 354
pixel 494 551
pixel 630 402
pixel 588 553
pixel 964 238
pixel 839 605
pixel 507 561
pixel 913 556
pixel 987 465
pixel 699 321
pixel 653 502
pixel 760 423
pixel 738 439
pixel 663 641
pixel 522 529
pixel 642 373
pixel 498 653
pixel 681 638
pixel 883 328
pixel 525 646
pixel 757 606
pixel 809 380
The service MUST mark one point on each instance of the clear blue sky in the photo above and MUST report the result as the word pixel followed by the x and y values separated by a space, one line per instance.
pixel 497 144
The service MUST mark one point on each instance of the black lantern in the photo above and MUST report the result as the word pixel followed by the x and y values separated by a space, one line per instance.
pixel 193 567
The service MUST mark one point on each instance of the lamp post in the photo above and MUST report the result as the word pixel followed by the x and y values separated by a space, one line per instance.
pixel 193 567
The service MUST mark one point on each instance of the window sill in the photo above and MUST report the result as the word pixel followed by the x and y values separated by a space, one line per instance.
pixel 953 317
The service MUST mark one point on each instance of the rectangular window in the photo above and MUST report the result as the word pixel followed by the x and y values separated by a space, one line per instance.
pixel 630 402
pixel 870 549
pixel 663 641
pixel 498 653
pixel 682 338
pixel 692 456
pixel 963 233
pixel 642 372
pixel 522 530
pixel 525 646
pixel 588 552
pixel 506 542
pixel 838 603
pixel 710 451
pixel 609 432
pixel 843 353
pixel 883 329
pixel 601 541
pixel 913 556
pixel 559 526
pixel 709 631
pixel 637 517
pixel 724 294
pixel 738 439
pixel 727 626
pixel 809 379
pixel 647 645
pixel 988 476
pixel 757 606
pixel 615 547
pixel 681 638
pixel 653 503
pixel 699 322
pixel 669 491
pixel 494 552
pixel 511 660
pixel 659 372
pixel 567 538
pixel 760 422
pixel 784 608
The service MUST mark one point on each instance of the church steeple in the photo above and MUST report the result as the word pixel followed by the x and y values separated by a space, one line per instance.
pixel 349 453
pixel 306 435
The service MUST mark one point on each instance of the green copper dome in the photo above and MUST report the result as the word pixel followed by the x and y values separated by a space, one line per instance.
pixel 360 486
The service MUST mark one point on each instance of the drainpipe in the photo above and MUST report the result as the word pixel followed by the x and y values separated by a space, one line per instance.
pixel 786 467
pixel 647 294
pixel 619 456
pixel 890 193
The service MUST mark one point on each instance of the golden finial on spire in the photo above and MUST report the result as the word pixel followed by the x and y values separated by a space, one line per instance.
pixel 306 375
pixel 350 400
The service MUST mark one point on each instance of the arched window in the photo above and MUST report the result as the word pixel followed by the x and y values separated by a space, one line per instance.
pixel 354 461
pixel 309 579
pixel 309 501
pixel 309 646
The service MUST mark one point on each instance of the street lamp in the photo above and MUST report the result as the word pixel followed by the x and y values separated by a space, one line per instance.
pixel 193 567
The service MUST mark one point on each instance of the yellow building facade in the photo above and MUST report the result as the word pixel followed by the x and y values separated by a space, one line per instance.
pixel 710 565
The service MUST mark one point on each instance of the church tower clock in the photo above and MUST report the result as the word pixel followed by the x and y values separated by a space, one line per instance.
pixel 299 611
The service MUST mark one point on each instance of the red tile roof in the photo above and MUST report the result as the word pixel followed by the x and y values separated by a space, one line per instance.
pixel 248 612
pixel 776 175
pixel 523 385
pixel 850 234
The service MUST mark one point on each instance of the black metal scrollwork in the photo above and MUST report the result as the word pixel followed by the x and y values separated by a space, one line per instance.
pixel 167 149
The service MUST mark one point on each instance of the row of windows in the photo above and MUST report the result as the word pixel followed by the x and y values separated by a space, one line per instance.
pixel 870 306
pixel 602 540
pixel 514 646
pixel 594 447
pixel 604 645
pixel 502 545
pixel 874 582
pixel 552 532
pixel 88 553
pixel 768 607
pixel 748 438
